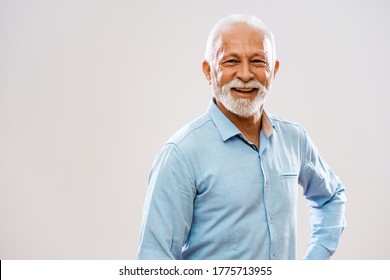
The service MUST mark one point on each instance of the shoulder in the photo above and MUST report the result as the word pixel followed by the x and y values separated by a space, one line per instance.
pixel 194 130
pixel 282 125
pixel 292 133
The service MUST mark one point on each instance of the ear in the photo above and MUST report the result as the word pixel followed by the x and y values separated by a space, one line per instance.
pixel 206 70
pixel 276 67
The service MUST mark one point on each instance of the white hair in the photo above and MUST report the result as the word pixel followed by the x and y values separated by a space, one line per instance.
pixel 214 42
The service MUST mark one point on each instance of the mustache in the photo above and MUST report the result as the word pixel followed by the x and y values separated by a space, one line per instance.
pixel 236 83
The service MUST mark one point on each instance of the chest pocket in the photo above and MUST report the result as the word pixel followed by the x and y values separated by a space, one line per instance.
pixel 289 178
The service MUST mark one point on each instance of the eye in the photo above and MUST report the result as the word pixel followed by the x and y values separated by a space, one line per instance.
pixel 259 62
pixel 230 62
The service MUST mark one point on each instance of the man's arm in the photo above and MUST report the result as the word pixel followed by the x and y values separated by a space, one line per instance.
pixel 168 206
pixel 326 196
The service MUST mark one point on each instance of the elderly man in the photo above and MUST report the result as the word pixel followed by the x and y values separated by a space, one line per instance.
pixel 225 185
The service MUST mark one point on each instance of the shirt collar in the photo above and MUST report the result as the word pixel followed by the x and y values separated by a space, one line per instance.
pixel 227 129
pixel 266 125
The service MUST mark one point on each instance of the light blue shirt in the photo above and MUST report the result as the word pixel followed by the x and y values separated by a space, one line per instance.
pixel 213 195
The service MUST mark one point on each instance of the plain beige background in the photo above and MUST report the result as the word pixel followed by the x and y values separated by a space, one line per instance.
pixel 90 90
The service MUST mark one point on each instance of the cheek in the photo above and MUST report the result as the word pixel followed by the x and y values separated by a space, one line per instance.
pixel 263 76
pixel 225 77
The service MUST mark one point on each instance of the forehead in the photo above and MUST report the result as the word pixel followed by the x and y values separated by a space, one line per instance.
pixel 241 38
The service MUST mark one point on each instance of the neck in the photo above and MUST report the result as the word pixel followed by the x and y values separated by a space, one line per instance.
pixel 250 127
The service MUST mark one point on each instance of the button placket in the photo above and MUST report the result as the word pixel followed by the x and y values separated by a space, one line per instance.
pixel 266 186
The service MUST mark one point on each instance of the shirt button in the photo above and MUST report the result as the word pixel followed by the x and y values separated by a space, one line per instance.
pixel 273 257
pixel 271 220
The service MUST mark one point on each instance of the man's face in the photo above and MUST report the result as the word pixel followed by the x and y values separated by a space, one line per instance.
pixel 241 72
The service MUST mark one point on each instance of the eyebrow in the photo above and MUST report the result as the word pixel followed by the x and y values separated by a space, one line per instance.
pixel 263 55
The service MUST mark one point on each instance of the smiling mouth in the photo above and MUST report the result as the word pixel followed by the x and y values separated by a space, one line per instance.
pixel 246 90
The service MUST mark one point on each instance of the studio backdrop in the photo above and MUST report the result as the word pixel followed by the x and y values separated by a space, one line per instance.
pixel 90 91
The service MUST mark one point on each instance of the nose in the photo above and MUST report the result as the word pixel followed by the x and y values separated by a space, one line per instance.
pixel 244 72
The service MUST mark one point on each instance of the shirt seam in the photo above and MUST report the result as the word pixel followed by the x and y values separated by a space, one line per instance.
pixel 185 162
pixel 179 141
pixel 277 119
pixel 304 148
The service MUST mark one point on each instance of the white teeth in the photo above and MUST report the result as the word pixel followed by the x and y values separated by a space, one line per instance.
pixel 245 89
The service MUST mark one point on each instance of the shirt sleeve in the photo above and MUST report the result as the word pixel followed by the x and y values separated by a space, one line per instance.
pixel 168 208
pixel 326 196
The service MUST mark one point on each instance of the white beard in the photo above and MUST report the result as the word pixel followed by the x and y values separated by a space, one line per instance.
pixel 243 107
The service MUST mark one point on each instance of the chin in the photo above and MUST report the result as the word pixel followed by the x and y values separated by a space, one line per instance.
pixel 243 107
